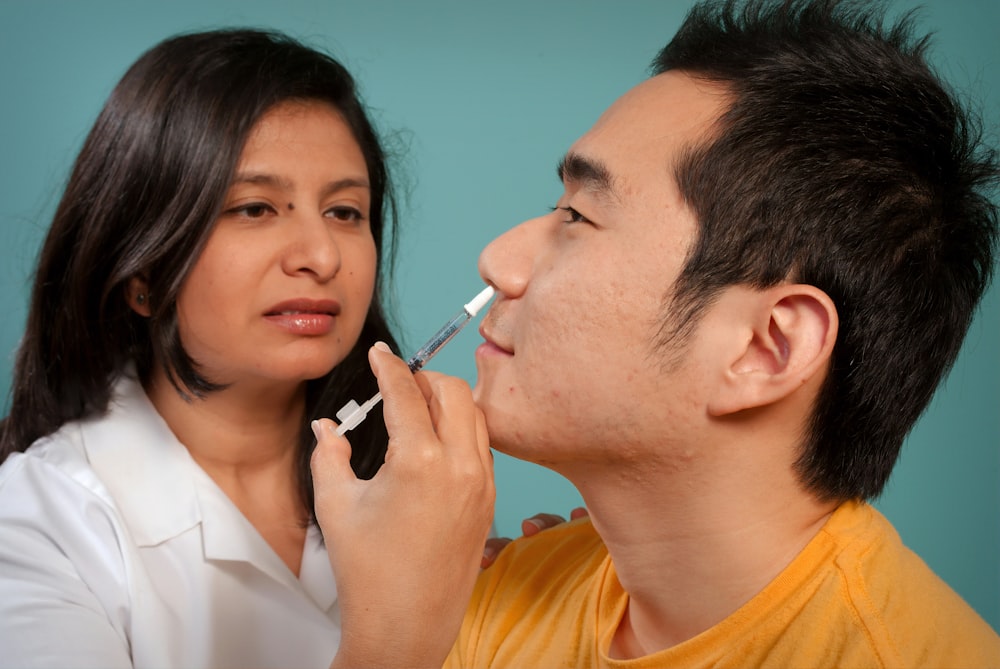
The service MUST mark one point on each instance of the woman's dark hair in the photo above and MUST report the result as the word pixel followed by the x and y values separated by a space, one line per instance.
pixel 843 162
pixel 142 199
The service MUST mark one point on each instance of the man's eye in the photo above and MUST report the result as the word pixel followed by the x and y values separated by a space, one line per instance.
pixel 572 215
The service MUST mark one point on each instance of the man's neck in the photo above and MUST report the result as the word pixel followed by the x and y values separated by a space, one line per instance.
pixel 690 554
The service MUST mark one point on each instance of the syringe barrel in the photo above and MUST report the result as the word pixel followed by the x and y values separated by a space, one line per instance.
pixel 440 338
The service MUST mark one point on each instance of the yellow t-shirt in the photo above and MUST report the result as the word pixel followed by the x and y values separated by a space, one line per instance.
pixel 854 597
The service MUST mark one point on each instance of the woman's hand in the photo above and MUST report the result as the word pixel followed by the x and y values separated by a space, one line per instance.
pixel 405 546
pixel 529 528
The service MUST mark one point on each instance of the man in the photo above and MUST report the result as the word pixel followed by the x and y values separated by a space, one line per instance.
pixel 764 261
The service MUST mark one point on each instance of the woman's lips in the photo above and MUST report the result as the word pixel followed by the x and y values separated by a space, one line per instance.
pixel 304 317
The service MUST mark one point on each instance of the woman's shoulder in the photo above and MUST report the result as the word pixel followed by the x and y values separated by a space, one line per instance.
pixel 53 471
pixel 64 571
pixel 56 515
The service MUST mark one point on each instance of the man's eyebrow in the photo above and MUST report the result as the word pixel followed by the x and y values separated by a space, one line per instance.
pixel 589 173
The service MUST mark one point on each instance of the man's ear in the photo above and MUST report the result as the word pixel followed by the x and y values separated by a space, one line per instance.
pixel 137 296
pixel 793 328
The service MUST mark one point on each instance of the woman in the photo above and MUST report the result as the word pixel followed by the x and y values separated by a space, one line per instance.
pixel 209 285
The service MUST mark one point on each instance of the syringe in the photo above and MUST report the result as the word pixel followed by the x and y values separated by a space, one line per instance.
pixel 351 414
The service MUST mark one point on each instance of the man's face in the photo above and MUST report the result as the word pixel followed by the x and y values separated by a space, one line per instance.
pixel 570 363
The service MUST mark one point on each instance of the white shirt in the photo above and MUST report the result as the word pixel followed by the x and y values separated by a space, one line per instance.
pixel 118 550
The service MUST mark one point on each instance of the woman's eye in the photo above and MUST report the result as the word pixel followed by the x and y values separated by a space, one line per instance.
pixel 252 210
pixel 349 214
pixel 572 215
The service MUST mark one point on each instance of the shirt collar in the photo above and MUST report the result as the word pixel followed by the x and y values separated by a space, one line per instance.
pixel 162 492
pixel 146 469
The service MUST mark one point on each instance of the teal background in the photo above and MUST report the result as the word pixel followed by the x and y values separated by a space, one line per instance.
pixel 480 100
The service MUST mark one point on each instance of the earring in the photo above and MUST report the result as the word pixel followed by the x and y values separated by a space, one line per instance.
pixel 141 298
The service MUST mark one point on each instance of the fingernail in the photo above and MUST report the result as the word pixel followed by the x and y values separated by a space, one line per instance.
pixel 382 346
pixel 533 522
pixel 316 428
pixel 488 554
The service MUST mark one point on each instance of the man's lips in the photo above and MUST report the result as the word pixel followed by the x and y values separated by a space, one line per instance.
pixel 304 306
pixel 492 342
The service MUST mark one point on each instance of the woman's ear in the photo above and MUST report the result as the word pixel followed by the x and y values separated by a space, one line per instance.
pixel 137 296
pixel 792 332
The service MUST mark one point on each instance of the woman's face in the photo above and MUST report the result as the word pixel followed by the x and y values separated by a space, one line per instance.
pixel 282 288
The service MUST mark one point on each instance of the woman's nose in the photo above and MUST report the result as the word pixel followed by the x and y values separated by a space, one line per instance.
pixel 313 248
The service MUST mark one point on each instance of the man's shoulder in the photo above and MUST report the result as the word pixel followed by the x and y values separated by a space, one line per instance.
pixel 907 610
pixel 565 553
pixel 564 541
pixel 539 600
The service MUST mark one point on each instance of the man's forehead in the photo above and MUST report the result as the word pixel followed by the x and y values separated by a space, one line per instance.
pixel 672 110
pixel 645 131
